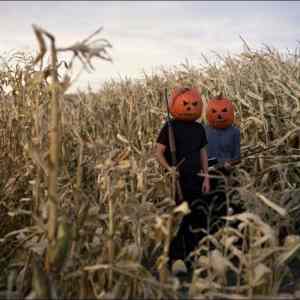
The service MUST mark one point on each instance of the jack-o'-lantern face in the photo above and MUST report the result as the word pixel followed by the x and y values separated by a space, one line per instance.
pixel 220 112
pixel 185 104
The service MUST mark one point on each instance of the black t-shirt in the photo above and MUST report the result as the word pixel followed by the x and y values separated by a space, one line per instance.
pixel 190 138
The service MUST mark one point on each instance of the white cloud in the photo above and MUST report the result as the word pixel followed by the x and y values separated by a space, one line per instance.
pixel 149 34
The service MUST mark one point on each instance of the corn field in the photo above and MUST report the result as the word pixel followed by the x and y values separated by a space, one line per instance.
pixel 86 211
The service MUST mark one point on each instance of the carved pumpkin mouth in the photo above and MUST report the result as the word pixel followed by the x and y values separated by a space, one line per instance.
pixel 220 120
pixel 187 114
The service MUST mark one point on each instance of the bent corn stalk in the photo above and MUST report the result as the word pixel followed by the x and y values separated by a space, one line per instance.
pixel 53 132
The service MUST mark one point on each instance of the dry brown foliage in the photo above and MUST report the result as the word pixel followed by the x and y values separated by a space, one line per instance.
pixel 113 200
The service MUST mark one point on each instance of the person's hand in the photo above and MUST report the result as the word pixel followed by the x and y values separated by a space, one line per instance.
pixel 230 211
pixel 212 168
pixel 173 171
pixel 227 165
pixel 206 185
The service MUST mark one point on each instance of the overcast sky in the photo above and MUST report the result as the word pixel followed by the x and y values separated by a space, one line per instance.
pixel 149 34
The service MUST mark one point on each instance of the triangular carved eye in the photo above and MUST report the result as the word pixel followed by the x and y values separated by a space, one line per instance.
pixel 213 111
pixel 185 103
pixel 224 109
pixel 195 103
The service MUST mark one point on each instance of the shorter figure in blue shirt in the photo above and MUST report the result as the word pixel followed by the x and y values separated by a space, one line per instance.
pixel 224 145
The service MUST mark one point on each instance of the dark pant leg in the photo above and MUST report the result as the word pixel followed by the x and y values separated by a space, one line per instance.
pixel 186 239
pixel 217 206
pixel 217 200
pixel 181 243
pixel 236 203
pixel 188 235
pixel 198 221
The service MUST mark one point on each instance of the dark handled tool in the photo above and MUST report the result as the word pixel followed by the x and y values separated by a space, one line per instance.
pixel 173 151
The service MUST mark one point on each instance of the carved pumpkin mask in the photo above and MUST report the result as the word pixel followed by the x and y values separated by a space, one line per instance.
pixel 220 112
pixel 185 104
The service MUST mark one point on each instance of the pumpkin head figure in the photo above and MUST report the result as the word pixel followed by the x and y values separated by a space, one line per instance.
pixel 220 112
pixel 185 104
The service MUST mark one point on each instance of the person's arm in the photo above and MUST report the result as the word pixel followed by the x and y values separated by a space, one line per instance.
pixel 160 156
pixel 237 147
pixel 236 150
pixel 160 147
pixel 204 164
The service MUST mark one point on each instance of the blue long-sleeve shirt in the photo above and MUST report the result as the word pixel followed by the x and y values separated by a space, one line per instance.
pixel 223 143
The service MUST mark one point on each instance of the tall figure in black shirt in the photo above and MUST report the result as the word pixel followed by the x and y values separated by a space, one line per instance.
pixel 185 105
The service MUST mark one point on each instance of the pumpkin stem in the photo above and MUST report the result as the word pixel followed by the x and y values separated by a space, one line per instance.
pixel 220 96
